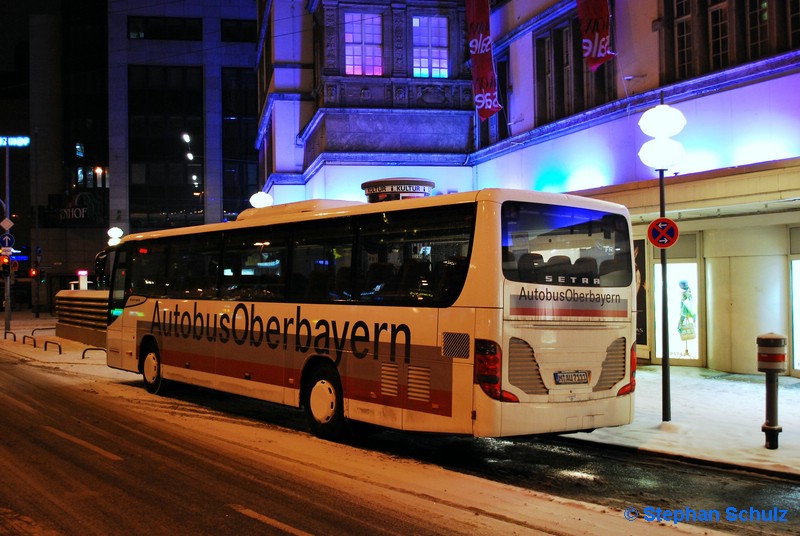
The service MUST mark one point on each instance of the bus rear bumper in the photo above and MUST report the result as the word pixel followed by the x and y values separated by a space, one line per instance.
pixel 496 419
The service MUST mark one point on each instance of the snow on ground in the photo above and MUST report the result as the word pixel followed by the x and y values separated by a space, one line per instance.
pixel 716 417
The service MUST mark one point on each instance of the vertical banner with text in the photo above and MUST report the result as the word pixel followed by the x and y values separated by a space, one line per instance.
pixel 595 21
pixel 484 78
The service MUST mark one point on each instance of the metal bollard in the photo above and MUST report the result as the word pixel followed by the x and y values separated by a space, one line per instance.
pixel 772 361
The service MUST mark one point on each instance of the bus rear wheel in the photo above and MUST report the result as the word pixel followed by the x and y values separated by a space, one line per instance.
pixel 151 370
pixel 323 403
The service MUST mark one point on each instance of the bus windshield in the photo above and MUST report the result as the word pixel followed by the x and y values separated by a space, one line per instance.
pixel 562 245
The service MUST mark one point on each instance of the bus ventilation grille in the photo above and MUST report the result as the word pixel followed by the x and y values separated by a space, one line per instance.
pixel 613 365
pixel 523 370
pixel 419 383
pixel 389 377
pixel 455 345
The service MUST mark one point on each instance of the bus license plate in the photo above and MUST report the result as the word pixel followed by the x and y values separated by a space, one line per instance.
pixel 571 377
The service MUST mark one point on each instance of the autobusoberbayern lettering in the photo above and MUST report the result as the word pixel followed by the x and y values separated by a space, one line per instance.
pixel 245 327
pixel 569 295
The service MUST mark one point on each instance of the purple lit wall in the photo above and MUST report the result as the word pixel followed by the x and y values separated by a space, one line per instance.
pixel 727 128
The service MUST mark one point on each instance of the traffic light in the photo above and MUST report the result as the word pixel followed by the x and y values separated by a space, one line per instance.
pixel 6 266
pixel 33 273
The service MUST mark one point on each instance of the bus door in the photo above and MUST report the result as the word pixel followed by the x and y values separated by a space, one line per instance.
pixel 120 352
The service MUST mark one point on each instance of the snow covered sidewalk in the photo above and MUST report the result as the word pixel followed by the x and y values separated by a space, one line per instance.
pixel 716 417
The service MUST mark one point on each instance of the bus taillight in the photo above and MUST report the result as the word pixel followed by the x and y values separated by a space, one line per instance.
pixel 488 370
pixel 630 387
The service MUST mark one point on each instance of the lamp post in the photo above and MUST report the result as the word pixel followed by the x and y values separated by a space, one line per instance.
pixel 8 142
pixel 662 153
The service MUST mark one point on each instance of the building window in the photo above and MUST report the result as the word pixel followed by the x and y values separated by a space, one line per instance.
pixel 239 129
pixel 683 38
pixel 238 31
pixel 709 35
pixel 718 34
pixel 757 22
pixel 163 103
pixel 793 19
pixel 565 85
pixel 165 28
pixel 363 41
pixel 431 56
pixel 497 127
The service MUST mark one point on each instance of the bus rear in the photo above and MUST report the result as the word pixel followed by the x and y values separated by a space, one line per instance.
pixel 563 359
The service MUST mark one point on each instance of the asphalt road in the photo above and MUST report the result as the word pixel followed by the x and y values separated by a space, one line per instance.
pixel 91 456
pixel 81 455
pixel 74 460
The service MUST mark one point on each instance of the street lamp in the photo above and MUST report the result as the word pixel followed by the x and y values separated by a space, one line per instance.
pixel 261 199
pixel 662 153
pixel 114 236
pixel 188 141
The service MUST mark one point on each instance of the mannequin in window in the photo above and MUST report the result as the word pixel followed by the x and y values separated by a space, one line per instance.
pixel 688 316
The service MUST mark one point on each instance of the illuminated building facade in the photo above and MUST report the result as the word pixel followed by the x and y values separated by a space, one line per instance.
pixel 358 91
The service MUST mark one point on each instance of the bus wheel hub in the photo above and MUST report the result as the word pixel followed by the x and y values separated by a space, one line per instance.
pixel 323 401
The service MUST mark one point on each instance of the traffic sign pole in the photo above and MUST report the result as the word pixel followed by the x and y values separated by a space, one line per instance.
pixel 666 406
pixel 7 302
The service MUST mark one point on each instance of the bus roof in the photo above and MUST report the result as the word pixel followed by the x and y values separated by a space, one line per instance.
pixel 324 208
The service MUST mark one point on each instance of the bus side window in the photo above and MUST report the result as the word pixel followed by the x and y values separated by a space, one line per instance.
pixel 254 264
pixel 193 265
pixel 448 278
pixel 148 270
pixel 321 259
pixel 380 277
pixel 415 280
pixel 319 283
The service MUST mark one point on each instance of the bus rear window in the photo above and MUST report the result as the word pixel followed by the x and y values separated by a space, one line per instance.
pixel 560 245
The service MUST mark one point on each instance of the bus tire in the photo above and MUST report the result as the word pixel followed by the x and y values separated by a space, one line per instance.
pixel 323 403
pixel 151 369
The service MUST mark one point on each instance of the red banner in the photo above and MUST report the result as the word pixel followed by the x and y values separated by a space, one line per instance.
pixel 595 23
pixel 484 78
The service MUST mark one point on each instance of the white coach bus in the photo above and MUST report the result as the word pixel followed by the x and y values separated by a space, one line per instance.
pixel 489 313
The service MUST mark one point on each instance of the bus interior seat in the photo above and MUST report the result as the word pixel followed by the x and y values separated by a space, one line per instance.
pixel 413 275
pixel 318 285
pixel 342 284
pixel 585 267
pixel 528 264
pixel 613 272
pixel 557 265
pixel 380 276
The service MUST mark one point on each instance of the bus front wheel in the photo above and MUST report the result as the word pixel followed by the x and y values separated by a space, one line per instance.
pixel 151 370
pixel 323 403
